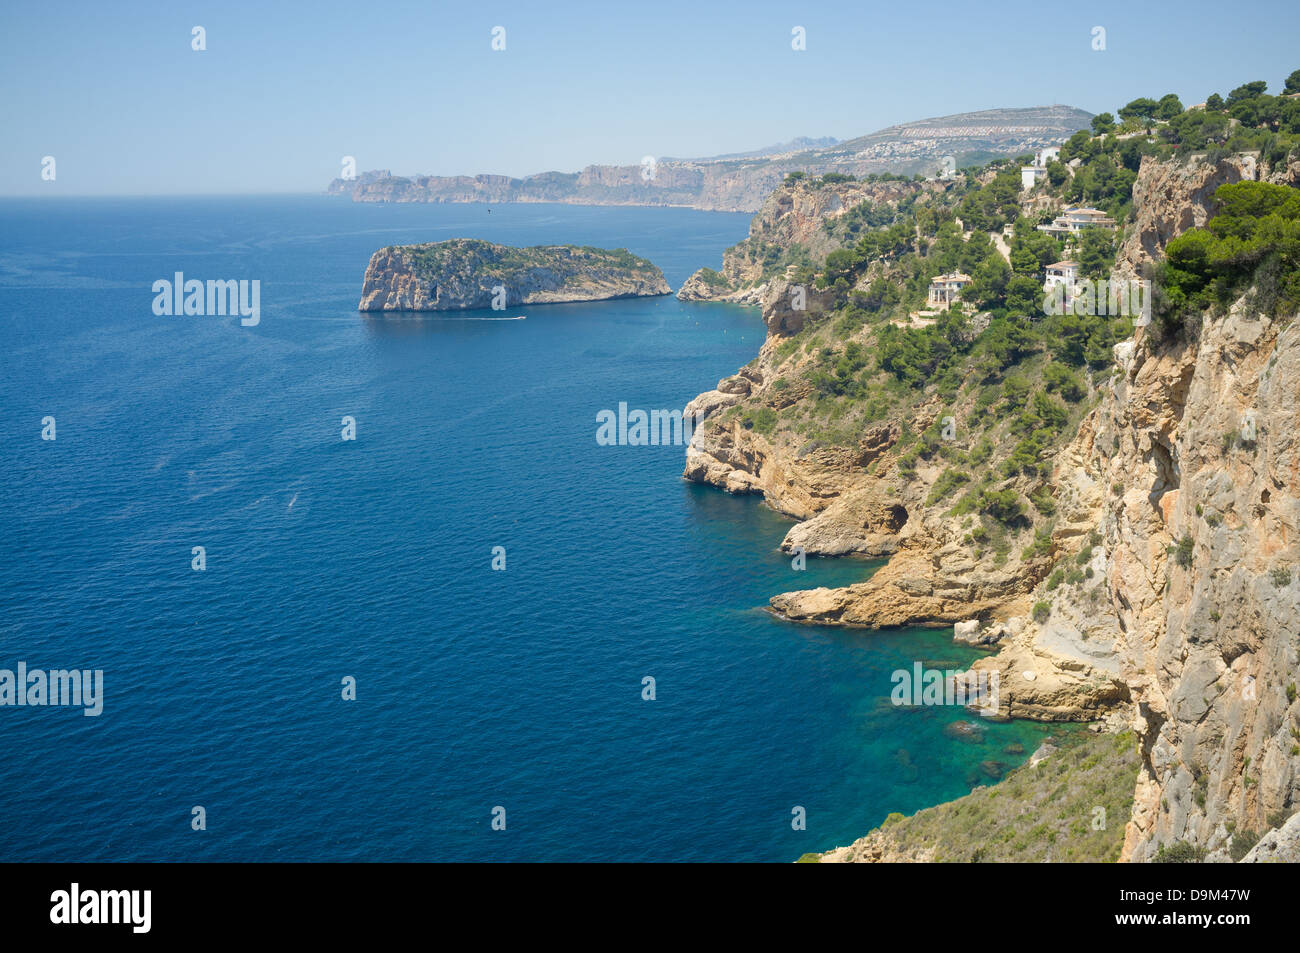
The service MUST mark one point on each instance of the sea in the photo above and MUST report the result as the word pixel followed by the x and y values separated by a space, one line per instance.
pixel 471 632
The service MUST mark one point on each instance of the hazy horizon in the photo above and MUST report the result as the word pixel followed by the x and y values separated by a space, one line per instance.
pixel 279 96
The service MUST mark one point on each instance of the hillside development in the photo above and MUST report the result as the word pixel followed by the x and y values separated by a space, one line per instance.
pixel 1061 403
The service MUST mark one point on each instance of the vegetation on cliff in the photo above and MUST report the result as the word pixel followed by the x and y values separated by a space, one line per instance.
pixel 1071 806
pixel 508 264
pixel 1253 239
pixel 1107 505
pixel 984 393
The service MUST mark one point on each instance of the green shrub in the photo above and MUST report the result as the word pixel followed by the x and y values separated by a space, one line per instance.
pixel 1042 500
pixel 1242 842
pixel 762 420
pixel 1003 505
pixel 1253 237
pixel 949 480
pixel 1180 852
pixel 1041 546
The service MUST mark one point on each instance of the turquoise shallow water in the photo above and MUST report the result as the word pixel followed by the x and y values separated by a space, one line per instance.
pixel 372 559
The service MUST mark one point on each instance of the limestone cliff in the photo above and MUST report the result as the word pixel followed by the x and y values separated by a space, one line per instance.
pixel 1175 507
pixel 1201 549
pixel 467 273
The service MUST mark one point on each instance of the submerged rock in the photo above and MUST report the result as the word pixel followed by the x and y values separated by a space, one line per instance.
pixel 965 730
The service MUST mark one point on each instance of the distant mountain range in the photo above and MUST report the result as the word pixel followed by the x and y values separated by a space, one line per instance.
pixel 739 182
pixel 798 144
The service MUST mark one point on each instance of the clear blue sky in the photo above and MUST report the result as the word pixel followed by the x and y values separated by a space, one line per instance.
pixel 115 93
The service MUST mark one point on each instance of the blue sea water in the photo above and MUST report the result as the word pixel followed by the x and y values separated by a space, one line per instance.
pixel 372 559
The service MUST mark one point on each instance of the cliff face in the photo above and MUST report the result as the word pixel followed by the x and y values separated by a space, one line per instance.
pixel 464 273
pixel 1202 548
pixel 1196 443
pixel 1177 501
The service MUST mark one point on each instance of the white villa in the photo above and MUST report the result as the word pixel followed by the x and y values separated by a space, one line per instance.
pixel 945 289
pixel 1075 220
pixel 1065 274
pixel 1062 273
pixel 1032 174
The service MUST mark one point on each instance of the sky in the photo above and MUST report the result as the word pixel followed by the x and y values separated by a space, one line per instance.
pixel 283 91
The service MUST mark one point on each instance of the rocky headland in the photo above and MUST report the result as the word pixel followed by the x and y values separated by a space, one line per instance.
pixel 1112 508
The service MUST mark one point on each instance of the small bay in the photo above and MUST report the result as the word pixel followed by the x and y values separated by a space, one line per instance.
pixel 372 559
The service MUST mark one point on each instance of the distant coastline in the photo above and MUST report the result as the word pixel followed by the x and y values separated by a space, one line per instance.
pixel 740 183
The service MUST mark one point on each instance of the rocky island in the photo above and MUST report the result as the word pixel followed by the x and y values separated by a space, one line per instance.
pixel 467 273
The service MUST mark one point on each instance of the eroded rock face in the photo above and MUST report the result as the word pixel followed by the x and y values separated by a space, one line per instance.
pixel 467 273
pixel 787 308
pixel 1201 533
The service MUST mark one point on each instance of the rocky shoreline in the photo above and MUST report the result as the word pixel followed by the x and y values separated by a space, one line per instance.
pixel 1136 643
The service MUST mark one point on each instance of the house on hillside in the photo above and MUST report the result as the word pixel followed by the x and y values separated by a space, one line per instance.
pixel 1036 171
pixel 1075 220
pixel 1063 275
pixel 945 289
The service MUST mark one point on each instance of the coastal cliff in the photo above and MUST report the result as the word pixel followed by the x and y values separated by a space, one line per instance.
pixel 1108 504
pixel 467 273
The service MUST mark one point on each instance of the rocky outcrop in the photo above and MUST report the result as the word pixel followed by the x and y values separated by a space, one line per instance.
pixel 1168 199
pixel 708 285
pixel 1279 846
pixel 466 273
